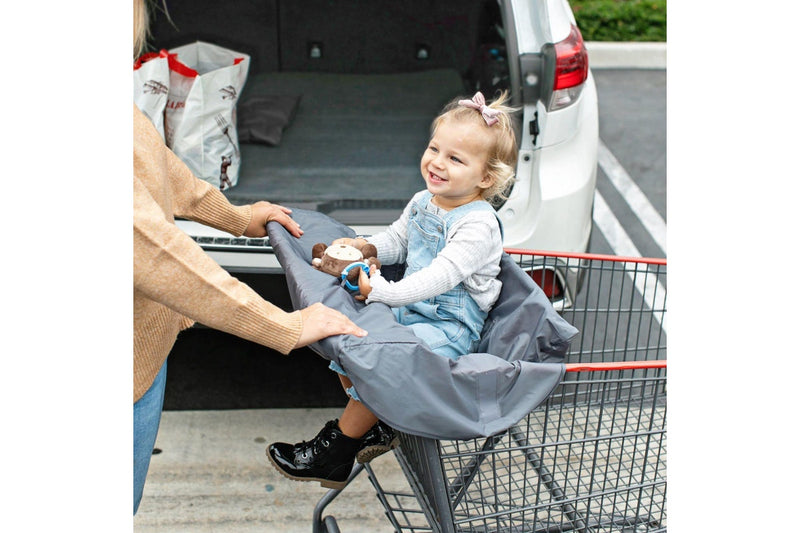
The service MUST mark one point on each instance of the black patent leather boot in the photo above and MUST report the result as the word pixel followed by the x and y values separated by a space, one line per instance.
pixel 327 458
pixel 378 440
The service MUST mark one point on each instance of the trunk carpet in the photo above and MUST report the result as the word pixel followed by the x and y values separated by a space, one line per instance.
pixel 354 138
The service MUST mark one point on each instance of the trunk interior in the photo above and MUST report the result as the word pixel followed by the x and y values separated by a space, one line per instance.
pixel 360 81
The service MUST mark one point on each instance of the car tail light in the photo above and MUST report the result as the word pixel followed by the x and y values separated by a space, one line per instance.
pixel 572 69
pixel 549 282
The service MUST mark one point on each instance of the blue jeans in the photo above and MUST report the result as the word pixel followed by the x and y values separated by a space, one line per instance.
pixel 146 416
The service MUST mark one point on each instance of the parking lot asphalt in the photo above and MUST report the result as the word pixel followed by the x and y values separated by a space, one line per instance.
pixel 211 473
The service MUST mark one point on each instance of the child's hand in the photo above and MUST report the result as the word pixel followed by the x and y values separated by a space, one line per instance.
pixel 364 287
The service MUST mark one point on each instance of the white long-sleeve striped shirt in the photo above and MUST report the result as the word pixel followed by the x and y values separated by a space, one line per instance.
pixel 471 254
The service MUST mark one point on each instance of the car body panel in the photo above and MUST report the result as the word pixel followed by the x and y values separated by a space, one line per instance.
pixel 550 205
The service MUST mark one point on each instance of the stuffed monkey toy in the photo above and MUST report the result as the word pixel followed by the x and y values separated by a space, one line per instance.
pixel 345 261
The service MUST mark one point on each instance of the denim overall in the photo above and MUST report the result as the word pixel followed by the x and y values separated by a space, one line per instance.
pixel 450 323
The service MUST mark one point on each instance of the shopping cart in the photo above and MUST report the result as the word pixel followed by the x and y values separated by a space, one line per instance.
pixel 592 457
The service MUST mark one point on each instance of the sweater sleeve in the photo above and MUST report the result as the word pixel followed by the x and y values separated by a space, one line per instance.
pixel 172 269
pixel 200 201
pixel 438 278
pixel 463 255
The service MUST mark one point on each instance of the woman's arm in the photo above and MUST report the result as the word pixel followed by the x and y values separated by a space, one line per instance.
pixel 200 201
pixel 170 268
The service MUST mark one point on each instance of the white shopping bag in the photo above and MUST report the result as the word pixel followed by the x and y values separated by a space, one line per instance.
pixel 205 83
pixel 151 87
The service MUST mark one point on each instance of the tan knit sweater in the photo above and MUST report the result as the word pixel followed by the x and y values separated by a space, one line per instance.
pixel 174 281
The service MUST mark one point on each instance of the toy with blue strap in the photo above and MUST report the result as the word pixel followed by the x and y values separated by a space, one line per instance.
pixel 348 268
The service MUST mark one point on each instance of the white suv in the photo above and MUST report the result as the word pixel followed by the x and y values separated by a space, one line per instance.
pixel 368 77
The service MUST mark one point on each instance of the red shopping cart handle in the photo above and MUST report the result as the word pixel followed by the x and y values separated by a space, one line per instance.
pixel 625 365
pixel 588 256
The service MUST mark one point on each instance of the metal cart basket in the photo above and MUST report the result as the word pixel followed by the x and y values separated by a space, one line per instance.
pixel 592 457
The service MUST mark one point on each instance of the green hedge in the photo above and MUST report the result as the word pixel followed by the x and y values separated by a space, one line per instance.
pixel 621 20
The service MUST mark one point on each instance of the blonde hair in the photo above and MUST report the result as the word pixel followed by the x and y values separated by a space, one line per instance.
pixel 502 160
pixel 141 26
pixel 141 23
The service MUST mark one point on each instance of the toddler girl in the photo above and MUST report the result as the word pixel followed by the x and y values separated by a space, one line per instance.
pixel 450 239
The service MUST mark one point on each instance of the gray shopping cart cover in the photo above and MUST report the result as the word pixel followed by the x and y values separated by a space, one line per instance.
pixel 406 384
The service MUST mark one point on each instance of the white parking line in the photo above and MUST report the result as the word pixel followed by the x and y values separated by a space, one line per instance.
pixel 611 229
pixel 633 195
pixel 622 245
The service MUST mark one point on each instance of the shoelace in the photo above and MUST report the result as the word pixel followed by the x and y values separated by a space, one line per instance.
pixel 315 442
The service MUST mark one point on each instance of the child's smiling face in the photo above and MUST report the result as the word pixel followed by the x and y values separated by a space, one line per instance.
pixel 454 164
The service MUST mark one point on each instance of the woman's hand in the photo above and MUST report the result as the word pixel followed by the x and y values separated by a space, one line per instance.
pixel 320 321
pixel 264 212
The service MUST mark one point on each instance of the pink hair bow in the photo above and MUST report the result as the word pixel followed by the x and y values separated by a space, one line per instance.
pixel 479 102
